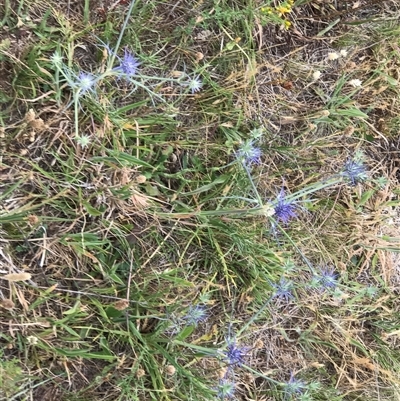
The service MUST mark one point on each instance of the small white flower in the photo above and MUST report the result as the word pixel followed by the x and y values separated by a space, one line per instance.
pixel 333 56
pixel 85 82
pixel 195 85
pixel 83 140
pixel 316 75
pixel 356 83
pixel 344 53
pixel 32 340
pixel 56 58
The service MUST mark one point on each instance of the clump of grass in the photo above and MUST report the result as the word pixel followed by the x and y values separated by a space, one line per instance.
pixel 193 202
pixel 11 377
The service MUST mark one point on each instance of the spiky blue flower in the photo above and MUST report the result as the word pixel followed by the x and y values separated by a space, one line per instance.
pixel 326 278
pixel 85 82
pixel 226 389
pixel 248 153
pixel 283 289
pixel 195 315
pixel 129 64
pixel 234 355
pixel 354 171
pixel 294 386
pixel 195 84
pixel 285 209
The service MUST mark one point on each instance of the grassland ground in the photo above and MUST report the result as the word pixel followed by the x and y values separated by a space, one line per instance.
pixel 199 200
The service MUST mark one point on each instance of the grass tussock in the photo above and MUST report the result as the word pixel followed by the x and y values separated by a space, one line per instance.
pixel 199 200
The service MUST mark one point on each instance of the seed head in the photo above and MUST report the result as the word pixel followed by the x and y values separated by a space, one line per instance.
pixel 32 340
pixel 355 83
pixel 316 75
pixel 332 56
pixel 170 370
pixel 7 304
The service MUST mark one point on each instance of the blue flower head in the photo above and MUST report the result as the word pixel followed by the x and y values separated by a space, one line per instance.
pixel 195 315
pixel 195 84
pixel 128 64
pixel 354 170
pixel 85 82
pixel 226 389
pixel 283 290
pixel 326 278
pixel 233 354
pixel 285 210
pixel 294 386
pixel 248 153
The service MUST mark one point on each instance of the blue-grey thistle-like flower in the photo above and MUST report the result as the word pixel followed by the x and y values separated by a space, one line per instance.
pixel 283 289
pixel 294 386
pixel 226 389
pixel 83 140
pixel 57 59
pixel 85 82
pixel 355 171
pixel 248 153
pixel 195 85
pixel 285 210
pixel 233 354
pixel 195 315
pixel 326 278
pixel 129 64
